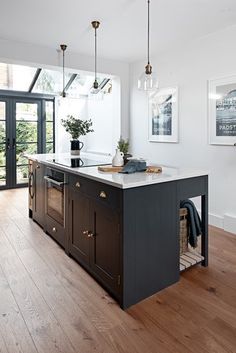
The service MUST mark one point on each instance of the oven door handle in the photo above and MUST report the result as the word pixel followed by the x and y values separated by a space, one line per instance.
pixel 53 181
pixel 31 185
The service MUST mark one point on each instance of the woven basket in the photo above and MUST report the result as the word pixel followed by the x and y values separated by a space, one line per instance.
pixel 183 230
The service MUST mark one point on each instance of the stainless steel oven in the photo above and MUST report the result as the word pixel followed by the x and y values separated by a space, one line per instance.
pixel 55 195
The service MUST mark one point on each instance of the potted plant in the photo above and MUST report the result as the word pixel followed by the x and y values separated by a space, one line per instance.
pixel 76 128
pixel 123 146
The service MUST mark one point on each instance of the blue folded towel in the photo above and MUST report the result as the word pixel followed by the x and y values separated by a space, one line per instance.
pixel 134 166
pixel 194 222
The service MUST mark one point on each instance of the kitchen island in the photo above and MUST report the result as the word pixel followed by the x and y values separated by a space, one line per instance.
pixel 123 229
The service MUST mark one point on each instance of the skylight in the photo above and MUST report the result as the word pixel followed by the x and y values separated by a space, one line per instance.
pixel 50 82
pixel 16 77
pixel 45 81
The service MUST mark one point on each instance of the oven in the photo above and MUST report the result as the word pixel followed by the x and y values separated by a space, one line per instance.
pixel 55 195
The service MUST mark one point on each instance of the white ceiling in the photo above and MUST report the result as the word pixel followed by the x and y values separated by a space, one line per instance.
pixel 122 34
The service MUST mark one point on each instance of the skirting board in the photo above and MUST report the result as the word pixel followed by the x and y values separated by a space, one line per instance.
pixel 230 223
pixel 216 221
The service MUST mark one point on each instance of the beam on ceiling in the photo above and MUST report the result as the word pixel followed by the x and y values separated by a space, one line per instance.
pixel 36 76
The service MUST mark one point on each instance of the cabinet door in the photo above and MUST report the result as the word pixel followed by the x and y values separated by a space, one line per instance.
pixel 39 194
pixel 79 226
pixel 105 246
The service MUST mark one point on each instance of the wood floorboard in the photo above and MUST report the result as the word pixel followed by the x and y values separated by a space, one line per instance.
pixel 50 304
pixel 12 325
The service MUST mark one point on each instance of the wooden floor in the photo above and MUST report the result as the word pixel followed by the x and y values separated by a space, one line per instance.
pixel 48 303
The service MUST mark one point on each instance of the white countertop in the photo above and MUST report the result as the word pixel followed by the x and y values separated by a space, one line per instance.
pixel 122 181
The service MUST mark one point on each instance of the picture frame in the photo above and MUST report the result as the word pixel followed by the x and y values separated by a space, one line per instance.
pixel 163 115
pixel 222 110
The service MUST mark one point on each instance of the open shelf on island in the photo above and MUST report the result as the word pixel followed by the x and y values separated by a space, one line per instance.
pixel 189 259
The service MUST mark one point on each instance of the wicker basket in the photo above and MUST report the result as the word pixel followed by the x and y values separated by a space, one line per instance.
pixel 183 230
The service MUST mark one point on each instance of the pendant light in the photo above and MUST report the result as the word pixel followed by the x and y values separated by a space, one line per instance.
pixel 63 48
pixel 148 80
pixel 95 25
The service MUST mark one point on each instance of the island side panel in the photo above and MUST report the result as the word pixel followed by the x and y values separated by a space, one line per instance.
pixel 193 187
pixel 150 241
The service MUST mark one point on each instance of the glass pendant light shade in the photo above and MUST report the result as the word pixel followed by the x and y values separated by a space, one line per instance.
pixel 148 80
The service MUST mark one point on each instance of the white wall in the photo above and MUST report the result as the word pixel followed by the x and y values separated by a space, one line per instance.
pixel 29 54
pixel 105 116
pixel 189 68
pixel 64 107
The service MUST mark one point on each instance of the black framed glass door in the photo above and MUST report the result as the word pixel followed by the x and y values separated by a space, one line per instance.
pixel 4 143
pixel 26 127
pixel 26 138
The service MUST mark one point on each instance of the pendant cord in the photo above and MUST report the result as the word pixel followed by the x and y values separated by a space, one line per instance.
pixel 63 48
pixel 95 54
pixel 63 79
pixel 148 31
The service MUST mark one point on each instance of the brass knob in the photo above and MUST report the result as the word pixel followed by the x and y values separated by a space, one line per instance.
pixel 37 166
pixel 77 184
pixel 85 232
pixel 54 229
pixel 103 195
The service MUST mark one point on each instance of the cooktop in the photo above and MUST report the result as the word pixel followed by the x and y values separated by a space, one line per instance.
pixel 78 162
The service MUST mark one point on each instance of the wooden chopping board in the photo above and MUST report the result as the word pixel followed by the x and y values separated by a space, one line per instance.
pixel 111 169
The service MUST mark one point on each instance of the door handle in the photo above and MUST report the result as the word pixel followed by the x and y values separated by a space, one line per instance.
pixel 8 144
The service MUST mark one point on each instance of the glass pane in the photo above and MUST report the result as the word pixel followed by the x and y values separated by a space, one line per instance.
pixel 50 81
pixel 25 148
pixel 26 131
pixel 16 77
pixel 49 111
pixel 49 131
pixel 2 132
pixel 81 86
pixel 2 176
pixel 49 147
pixel 22 174
pixel 2 155
pixel 2 110
pixel 27 111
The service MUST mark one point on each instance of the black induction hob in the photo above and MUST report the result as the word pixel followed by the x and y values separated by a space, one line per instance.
pixel 77 162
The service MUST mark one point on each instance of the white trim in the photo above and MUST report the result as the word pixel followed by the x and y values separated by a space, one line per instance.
pixel 230 223
pixel 216 221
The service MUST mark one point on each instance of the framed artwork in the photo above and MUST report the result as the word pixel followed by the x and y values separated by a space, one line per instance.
pixel 222 111
pixel 163 115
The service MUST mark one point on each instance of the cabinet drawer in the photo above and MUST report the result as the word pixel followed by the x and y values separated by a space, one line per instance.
pixel 55 230
pixel 106 194
pixel 78 183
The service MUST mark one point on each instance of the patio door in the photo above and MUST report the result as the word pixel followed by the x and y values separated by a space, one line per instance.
pixel 26 137
pixel 26 127
pixel 4 144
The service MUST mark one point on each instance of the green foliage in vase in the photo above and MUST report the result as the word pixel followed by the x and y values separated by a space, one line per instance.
pixel 123 145
pixel 76 127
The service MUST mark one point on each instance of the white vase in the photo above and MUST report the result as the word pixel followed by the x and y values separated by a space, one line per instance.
pixel 118 160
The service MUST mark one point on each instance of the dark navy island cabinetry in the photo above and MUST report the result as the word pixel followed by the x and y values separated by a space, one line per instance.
pixel 126 238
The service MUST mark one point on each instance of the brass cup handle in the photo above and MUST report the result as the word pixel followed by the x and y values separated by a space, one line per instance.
pixel 54 229
pixel 103 195
pixel 88 233
pixel 37 166
pixel 78 184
